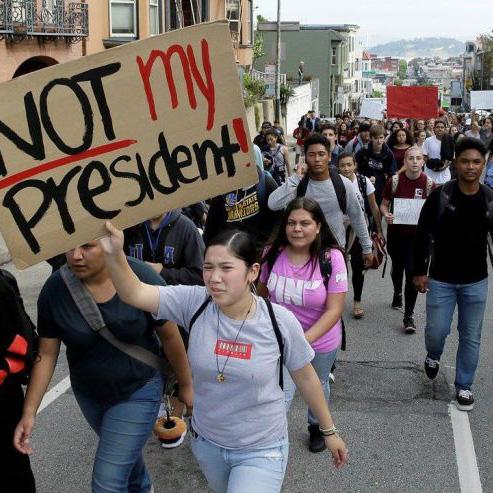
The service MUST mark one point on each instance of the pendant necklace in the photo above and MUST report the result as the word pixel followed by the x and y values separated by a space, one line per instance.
pixel 220 378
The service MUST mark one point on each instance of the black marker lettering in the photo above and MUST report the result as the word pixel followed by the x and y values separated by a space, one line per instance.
pixel 95 77
pixel 87 194
pixel 140 177
pixel 35 148
pixel 23 224
pixel 86 111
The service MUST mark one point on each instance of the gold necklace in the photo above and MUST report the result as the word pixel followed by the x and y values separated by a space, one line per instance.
pixel 220 377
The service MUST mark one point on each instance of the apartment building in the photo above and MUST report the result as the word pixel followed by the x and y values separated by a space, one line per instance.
pixel 115 22
pixel 330 53
pixel 38 33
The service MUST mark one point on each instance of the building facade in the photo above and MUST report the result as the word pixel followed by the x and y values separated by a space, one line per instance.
pixel 329 53
pixel 39 33
pixel 115 22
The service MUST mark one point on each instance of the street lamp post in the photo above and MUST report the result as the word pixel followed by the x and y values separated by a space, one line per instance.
pixel 278 63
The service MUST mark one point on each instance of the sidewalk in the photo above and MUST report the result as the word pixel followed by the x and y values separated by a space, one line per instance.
pixel 4 253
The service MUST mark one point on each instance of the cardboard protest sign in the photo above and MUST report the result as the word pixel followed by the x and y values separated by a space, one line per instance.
pixel 407 211
pixel 372 109
pixel 482 100
pixel 412 102
pixel 122 135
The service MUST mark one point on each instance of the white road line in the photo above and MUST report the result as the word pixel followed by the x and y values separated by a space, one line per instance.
pixel 54 393
pixel 469 479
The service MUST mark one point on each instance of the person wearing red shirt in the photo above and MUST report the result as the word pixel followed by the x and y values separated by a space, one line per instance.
pixel 300 134
pixel 412 184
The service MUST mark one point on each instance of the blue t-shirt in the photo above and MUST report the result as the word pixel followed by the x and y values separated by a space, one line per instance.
pixel 97 368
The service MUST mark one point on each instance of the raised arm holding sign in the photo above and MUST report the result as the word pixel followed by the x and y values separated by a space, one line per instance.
pixel 121 135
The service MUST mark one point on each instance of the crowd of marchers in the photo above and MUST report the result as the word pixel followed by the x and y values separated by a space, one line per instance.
pixel 244 296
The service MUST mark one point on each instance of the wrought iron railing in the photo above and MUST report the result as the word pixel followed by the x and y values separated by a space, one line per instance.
pixel 49 19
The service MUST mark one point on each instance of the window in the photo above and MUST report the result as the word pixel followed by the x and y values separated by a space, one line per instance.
pixel 250 23
pixel 123 18
pixel 233 14
pixel 333 60
pixel 356 85
pixel 190 14
pixel 154 17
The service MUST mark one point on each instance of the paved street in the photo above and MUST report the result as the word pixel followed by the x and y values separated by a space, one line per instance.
pixel 396 422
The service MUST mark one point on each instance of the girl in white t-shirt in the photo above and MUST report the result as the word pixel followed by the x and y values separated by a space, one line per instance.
pixel 365 191
pixel 239 420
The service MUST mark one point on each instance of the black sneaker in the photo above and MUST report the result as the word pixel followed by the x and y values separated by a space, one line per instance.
pixel 464 400
pixel 397 301
pixel 409 325
pixel 431 367
pixel 317 441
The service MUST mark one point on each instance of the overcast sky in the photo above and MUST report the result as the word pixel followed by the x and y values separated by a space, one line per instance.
pixel 388 20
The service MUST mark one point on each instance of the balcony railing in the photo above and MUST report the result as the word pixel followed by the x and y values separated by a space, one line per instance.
pixel 48 19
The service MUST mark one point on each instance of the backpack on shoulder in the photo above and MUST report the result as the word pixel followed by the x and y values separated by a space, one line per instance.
pixel 337 182
pixel 18 335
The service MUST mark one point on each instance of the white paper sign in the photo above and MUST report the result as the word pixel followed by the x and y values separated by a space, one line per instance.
pixel 407 211
pixel 371 109
pixel 482 100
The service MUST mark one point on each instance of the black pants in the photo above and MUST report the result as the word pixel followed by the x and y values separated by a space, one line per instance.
pixel 400 248
pixel 15 468
pixel 357 268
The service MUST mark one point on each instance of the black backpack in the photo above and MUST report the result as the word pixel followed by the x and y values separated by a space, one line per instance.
pixel 18 336
pixel 275 326
pixel 444 204
pixel 339 188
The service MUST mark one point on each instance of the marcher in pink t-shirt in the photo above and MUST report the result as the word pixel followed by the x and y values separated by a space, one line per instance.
pixel 304 271
pixel 301 289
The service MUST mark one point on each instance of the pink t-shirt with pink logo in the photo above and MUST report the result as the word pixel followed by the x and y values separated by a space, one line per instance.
pixel 301 289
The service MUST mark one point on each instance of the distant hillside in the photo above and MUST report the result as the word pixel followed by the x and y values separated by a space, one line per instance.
pixel 420 47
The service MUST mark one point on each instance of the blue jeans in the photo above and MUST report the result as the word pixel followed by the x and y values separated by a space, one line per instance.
pixel 123 430
pixel 440 305
pixel 322 364
pixel 241 471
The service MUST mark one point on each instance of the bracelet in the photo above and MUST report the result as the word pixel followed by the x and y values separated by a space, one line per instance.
pixel 327 432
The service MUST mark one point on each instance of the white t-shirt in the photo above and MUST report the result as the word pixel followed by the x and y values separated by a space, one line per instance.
pixel 431 147
pixel 438 177
pixel 369 190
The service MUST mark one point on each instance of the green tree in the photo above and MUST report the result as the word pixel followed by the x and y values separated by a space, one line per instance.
pixel 254 90
pixel 402 74
pixel 261 18
pixel 258 49
pixel 377 94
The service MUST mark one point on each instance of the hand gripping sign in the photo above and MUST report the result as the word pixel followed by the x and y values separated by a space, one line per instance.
pixel 123 135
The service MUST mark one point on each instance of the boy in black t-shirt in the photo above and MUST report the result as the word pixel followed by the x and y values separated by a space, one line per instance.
pixel 455 218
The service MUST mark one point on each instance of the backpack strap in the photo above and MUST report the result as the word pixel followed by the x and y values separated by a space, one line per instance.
pixel 199 312
pixel 429 186
pixel 362 185
pixel 302 186
pixel 488 196
pixel 325 263
pixel 280 341
pixel 91 314
pixel 395 184
pixel 339 188
pixel 445 194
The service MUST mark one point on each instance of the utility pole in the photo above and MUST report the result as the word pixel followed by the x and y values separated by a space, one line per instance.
pixel 278 63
